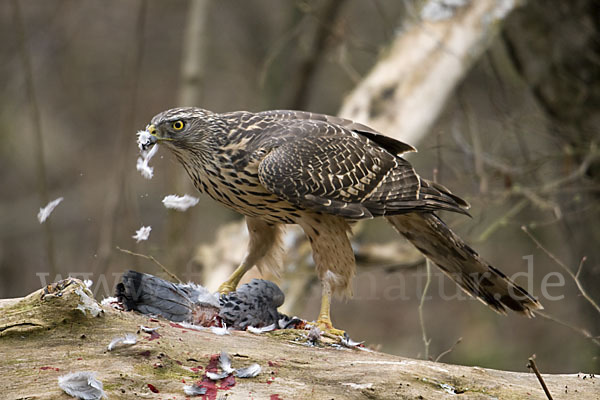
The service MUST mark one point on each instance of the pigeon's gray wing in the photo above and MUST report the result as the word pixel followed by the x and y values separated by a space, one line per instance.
pixel 149 294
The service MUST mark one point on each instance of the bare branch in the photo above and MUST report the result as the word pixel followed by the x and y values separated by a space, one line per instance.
pixel 503 220
pixel 443 353
pixel 564 267
pixel 581 331
pixel 531 365
pixel 151 258
pixel 583 260
pixel 426 340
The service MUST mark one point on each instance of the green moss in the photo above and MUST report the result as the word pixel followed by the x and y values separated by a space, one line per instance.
pixel 169 370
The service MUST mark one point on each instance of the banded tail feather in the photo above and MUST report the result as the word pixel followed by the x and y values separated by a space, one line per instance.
pixel 428 233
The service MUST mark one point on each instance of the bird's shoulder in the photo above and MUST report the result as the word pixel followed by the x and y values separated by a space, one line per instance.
pixel 276 127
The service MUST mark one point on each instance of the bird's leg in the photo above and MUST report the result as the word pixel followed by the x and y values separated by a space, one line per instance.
pixel 324 320
pixel 264 247
pixel 334 260
pixel 234 279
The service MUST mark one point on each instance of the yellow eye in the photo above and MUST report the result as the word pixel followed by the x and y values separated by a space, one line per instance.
pixel 178 125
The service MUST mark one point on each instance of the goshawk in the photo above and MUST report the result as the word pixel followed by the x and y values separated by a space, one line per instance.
pixel 323 172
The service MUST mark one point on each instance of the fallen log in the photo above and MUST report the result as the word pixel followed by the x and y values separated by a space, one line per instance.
pixel 61 329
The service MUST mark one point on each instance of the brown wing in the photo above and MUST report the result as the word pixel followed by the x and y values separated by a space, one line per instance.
pixel 328 168
pixel 393 146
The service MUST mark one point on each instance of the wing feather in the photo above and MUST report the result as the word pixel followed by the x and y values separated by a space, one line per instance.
pixel 325 167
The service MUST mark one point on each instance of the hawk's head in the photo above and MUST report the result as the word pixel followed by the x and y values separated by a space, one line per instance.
pixel 187 128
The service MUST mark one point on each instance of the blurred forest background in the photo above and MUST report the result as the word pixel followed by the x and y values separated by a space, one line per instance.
pixel 518 138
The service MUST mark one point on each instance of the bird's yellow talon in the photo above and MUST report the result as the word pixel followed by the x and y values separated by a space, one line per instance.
pixel 326 326
pixel 226 287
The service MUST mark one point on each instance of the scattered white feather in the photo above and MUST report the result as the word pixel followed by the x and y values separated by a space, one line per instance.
pixel 226 369
pixel 142 234
pixel 285 323
pixel 107 301
pixel 143 139
pixel 194 390
pixel 220 331
pixel 187 325
pixel 46 211
pixel 142 166
pixel 346 341
pixel 180 203
pixel 129 339
pixel 258 331
pixel 88 283
pixel 448 388
pixel 214 376
pixel 82 385
pixel 143 162
pixel 248 372
pixel 148 329
pixel 202 294
pixel 206 297
pixel 225 362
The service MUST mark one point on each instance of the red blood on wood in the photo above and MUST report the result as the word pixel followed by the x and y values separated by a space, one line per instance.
pixel 153 336
pixel 211 388
pixel 213 364
pixel 152 388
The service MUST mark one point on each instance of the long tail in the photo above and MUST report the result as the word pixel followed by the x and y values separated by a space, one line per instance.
pixel 428 233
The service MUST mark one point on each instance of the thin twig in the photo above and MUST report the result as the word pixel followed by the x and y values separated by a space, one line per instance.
pixel 472 128
pixel 165 269
pixel 564 267
pixel 581 331
pixel 531 365
pixel 503 220
pixel 581 170
pixel 443 353
pixel 583 260
pixel 37 131
pixel 426 341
